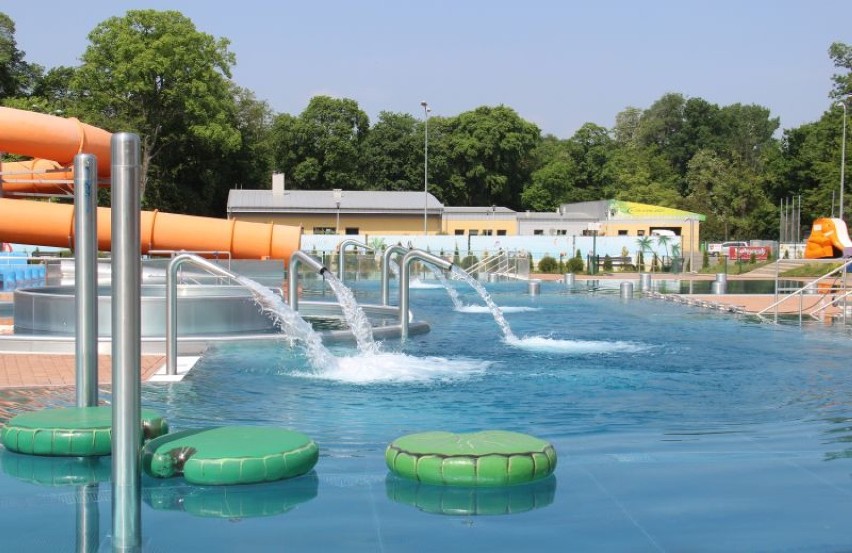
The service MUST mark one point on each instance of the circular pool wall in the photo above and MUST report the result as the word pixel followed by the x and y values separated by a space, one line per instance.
pixel 202 310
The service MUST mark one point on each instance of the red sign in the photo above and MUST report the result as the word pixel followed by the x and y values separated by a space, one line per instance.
pixel 744 253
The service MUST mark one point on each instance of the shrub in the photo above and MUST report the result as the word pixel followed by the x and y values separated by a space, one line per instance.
pixel 575 265
pixel 548 265
pixel 607 264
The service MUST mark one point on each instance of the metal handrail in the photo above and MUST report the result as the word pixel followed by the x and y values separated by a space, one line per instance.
pixel 500 259
pixel 386 261
pixel 801 291
pixel 217 253
pixel 341 248
pixel 405 272
pixel 171 300
pixel 296 259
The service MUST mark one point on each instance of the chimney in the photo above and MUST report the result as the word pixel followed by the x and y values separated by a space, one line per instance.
pixel 277 184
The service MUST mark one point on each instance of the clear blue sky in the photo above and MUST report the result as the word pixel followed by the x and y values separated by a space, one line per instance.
pixel 559 64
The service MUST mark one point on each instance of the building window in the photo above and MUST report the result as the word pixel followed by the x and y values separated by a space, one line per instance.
pixel 640 233
pixel 473 232
pixel 622 233
pixel 538 232
pixel 459 232
pixel 487 232
pixel 324 230
pixel 501 232
pixel 561 232
pixel 352 230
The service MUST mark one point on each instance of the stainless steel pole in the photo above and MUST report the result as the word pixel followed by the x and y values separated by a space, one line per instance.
pixel 126 343
pixel 86 278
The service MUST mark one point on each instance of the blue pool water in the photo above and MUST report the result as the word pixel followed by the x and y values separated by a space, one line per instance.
pixel 676 430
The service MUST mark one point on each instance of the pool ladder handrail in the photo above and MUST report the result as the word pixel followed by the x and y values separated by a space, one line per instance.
pixel 297 259
pixel 405 275
pixel 341 248
pixel 389 252
pixel 171 300
pixel 809 287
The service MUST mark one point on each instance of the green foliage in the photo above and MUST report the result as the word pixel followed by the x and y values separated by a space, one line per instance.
pixel 320 149
pixel 607 263
pixel 153 73
pixel 575 265
pixel 548 264
pixel 17 77
pixel 811 270
pixel 705 259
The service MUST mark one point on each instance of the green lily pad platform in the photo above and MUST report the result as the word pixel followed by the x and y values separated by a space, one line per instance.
pixel 489 458
pixel 71 431
pixel 230 455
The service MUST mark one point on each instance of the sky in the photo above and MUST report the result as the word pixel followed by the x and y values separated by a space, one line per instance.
pixel 559 64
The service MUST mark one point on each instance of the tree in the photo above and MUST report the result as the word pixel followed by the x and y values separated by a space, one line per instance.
pixel 17 77
pixel 590 148
pixel 320 149
pixel 153 73
pixel 488 157
pixel 841 55
pixel 392 153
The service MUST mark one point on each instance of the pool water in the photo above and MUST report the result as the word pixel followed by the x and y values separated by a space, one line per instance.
pixel 676 430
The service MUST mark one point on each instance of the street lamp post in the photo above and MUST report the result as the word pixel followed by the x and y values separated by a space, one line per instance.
pixel 338 196
pixel 426 110
pixel 842 156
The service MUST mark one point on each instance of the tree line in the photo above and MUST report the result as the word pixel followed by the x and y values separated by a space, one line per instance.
pixel 154 73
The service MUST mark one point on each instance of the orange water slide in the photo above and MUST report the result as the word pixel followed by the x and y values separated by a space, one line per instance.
pixel 51 224
pixel 829 239
pixel 54 141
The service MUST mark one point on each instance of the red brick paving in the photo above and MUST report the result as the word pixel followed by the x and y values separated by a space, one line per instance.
pixel 23 370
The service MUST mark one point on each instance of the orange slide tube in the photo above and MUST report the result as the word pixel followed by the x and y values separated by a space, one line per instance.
pixel 49 224
pixel 58 139
pixel 36 176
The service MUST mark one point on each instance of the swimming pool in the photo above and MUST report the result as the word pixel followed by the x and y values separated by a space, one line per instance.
pixel 676 430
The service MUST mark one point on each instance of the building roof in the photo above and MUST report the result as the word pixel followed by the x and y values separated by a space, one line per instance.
pixel 474 210
pixel 618 210
pixel 323 201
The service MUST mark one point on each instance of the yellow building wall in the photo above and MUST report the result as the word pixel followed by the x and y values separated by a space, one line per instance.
pixel 689 232
pixel 480 225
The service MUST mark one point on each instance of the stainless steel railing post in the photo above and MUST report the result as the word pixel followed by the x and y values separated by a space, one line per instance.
pixel 86 278
pixel 126 343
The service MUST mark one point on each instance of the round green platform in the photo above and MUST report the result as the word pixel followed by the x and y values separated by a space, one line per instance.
pixel 71 431
pixel 489 458
pixel 230 455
